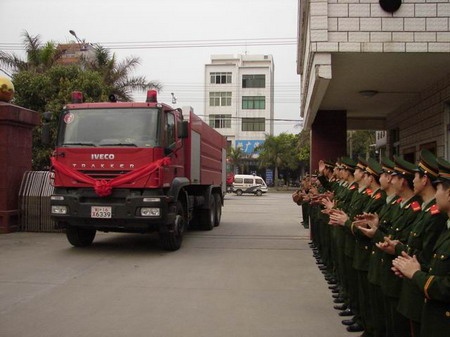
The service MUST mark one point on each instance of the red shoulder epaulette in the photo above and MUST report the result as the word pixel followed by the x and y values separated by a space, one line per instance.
pixel 434 209
pixel 399 200
pixel 377 196
pixel 415 206
pixel 352 187
pixel 369 191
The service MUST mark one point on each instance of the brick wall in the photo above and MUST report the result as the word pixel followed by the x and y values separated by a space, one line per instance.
pixel 429 114
pixel 362 26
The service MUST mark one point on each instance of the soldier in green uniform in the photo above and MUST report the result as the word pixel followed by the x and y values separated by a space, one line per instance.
pixel 344 218
pixel 338 188
pixel 376 233
pixel 433 282
pixel 363 246
pixel 401 222
pixel 325 177
pixel 343 203
pixel 424 233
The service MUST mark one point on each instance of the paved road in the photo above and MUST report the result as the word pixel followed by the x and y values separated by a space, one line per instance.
pixel 254 275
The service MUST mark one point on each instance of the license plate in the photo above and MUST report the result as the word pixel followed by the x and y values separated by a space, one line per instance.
pixel 102 212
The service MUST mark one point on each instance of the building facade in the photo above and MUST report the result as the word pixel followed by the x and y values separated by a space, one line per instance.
pixel 239 100
pixel 378 65
pixel 71 53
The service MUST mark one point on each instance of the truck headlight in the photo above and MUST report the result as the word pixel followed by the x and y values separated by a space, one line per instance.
pixel 150 211
pixel 59 209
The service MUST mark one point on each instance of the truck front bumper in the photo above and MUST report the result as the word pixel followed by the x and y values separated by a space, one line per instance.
pixel 125 210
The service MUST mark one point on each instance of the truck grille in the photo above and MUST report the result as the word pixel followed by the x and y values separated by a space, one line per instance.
pixel 107 175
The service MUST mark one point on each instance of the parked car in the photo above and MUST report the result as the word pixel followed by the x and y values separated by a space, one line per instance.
pixel 246 183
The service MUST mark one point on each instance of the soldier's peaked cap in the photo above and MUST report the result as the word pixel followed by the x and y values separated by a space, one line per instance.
pixel 348 163
pixel 404 167
pixel 444 171
pixel 361 164
pixel 329 163
pixel 428 164
pixel 387 165
pixel 374 167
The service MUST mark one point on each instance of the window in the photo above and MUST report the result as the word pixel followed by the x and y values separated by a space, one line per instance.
pixel 254 102
pixel 170 130
pixel 219 98
pixel 220 121
pixel 110 127
pixel 220 78
pixel 432 147
pixel 253 124
pixel 409 154
pixel 253 81
pixel 248 181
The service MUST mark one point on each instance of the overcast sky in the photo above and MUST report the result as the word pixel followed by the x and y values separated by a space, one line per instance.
pixel 174 39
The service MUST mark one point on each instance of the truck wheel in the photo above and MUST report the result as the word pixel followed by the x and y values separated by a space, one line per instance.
pixel 239 192
pixel 259 193
pixel 172 240
pixel 79 236
pixel 218 204
pixel 207 216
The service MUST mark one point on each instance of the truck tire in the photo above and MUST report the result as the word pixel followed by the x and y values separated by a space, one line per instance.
pixel 79 236
pixel 218 209
pixel 171 241
pixel 207 216
pixel 239 192
pixel 259 193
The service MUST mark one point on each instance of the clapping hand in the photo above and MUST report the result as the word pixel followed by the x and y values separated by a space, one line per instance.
pixel 405 265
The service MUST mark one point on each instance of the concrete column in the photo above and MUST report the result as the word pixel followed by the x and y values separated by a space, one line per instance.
pixel 16 125
pixel 328 136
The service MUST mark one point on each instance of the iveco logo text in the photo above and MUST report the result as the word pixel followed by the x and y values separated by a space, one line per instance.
pixel 102 156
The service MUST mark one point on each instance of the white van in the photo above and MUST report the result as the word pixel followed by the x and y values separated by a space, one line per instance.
pixel 246 183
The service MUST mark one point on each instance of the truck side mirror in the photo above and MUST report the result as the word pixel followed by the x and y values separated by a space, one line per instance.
pixel 45 133
pixel 183 129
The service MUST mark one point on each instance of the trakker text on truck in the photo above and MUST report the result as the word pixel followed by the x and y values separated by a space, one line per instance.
pixel 137 168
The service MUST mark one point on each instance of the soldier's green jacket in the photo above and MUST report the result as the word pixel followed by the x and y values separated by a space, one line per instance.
pixel 435 285
pixel 356 206
pixel 375 262
pixel 425 231
pixel 399 230
pixel 347 194
pixel 363 246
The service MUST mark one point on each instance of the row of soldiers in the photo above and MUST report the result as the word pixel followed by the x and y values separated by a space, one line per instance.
pixel 381 235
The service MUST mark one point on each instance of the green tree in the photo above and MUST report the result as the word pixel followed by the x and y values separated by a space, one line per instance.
pixel 304 149
pixel 235 156
pixel 39 57
pixel 50 91
pixel 361 143
pixel 117 75
pixel 279 152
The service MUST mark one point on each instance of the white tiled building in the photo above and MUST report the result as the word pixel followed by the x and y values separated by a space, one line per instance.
pixel 363 67
pixel 239 98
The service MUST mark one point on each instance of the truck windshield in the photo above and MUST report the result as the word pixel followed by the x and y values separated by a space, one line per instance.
pixel 131 127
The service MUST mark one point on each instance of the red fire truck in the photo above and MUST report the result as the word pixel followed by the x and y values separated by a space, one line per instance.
pixel 136 168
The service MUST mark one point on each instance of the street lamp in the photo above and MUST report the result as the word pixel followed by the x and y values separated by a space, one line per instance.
pixel 81 42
